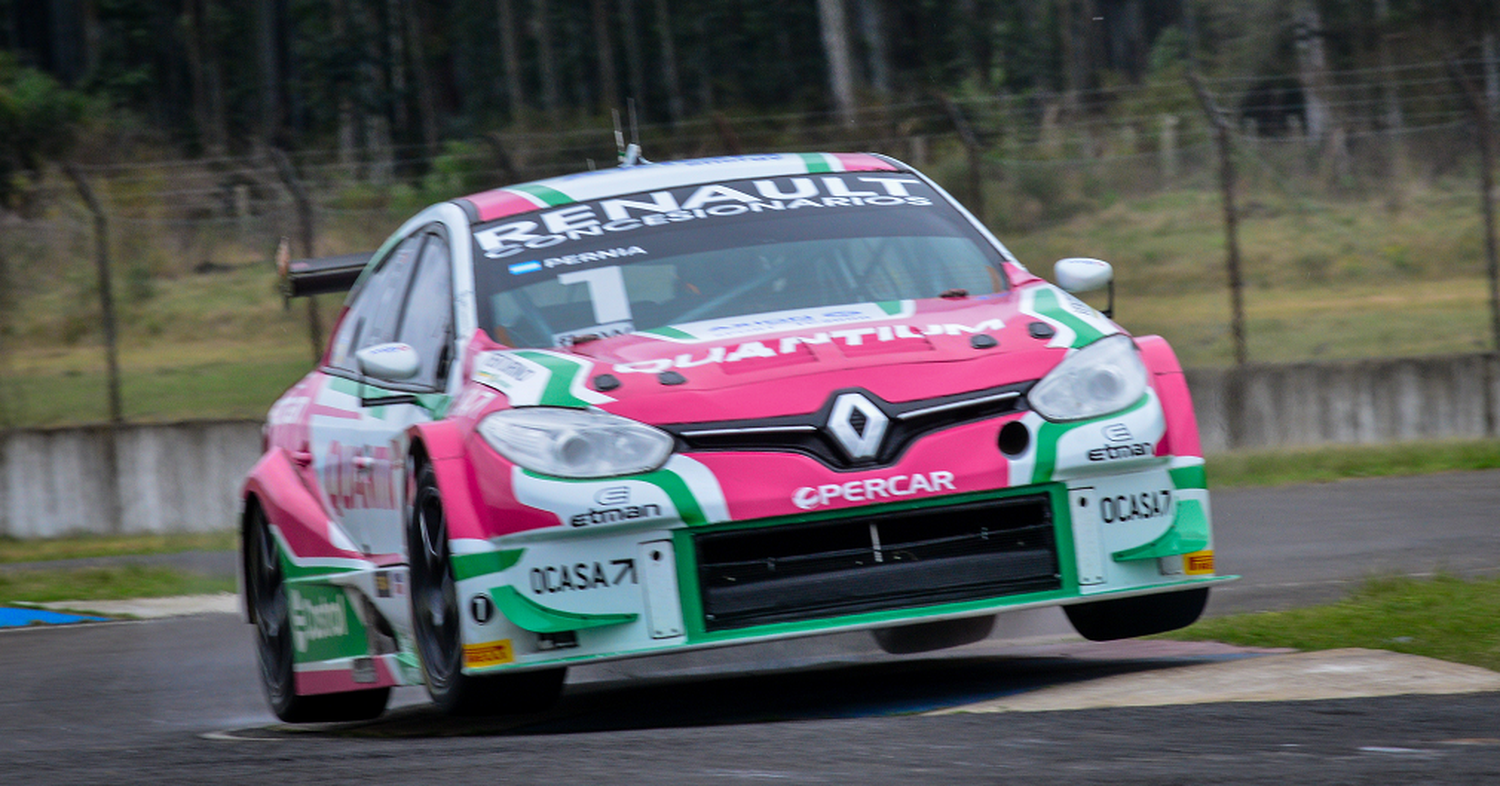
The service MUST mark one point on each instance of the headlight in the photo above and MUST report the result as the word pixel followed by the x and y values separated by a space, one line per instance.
pixel 1103 377
pixel 575 443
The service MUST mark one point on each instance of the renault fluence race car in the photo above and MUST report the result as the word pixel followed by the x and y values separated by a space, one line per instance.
pixel 699 403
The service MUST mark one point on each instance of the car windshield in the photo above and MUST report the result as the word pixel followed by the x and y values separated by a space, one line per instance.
pixel 793 249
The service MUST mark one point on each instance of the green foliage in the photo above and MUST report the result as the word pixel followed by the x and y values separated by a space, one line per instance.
pixel 37 123
pixel 1447 618
pixel 14 550
pixel 1323 464
pixel 115 583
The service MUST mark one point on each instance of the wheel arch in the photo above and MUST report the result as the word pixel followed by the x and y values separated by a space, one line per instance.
pixel 441 445
pixel 1176 401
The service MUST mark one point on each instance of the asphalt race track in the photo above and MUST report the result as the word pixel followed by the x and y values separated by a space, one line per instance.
pixel 176 700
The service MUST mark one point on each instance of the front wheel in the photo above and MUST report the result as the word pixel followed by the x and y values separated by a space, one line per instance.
pixel 1142 615
pixel 266 597
pixel 438 628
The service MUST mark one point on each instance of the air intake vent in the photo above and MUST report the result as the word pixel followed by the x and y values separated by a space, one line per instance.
pixel 875 563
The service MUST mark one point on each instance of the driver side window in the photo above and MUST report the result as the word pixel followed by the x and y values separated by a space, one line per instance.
pixel 373 315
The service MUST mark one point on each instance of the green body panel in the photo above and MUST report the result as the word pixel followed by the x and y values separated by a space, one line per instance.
pixel 1046 303
pixel 1049 433
pixel 1188 533
pixel 324 625
pixel 1189 477
pixel 532 616
pixel 468 566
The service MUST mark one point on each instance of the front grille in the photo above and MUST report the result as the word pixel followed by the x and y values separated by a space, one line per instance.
pixel 808 434
pixel 875 563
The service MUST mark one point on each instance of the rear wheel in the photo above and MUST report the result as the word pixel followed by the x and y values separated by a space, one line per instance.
pixel 266 596
pixel 436 622
pixel 1142 615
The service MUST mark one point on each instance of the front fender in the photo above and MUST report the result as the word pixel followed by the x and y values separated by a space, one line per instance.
pixel 306 530
pixel 1176 402
pixel 442 445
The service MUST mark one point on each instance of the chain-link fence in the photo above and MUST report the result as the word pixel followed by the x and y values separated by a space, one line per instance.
pixel 1360 235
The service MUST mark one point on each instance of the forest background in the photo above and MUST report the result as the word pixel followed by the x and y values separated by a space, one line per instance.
pixel 179 141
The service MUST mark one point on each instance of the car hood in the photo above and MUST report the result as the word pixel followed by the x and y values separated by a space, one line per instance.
pixel 790 362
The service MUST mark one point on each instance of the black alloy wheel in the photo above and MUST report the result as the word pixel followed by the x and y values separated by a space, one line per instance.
pixel 266 595
pixel 438 627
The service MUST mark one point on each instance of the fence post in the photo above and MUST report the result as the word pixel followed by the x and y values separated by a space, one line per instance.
pixel 1224 139
pixel 975 155
pixel 111 478
pixel 307 235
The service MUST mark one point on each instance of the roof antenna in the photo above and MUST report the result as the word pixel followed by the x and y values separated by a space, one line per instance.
pixel 619 138
pixel 630 155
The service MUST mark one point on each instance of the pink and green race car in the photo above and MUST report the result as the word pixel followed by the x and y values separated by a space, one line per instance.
pixel 700 403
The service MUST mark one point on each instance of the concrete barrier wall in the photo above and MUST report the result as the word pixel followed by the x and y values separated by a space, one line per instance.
pixel 181 477
pixel 1351 402
pixel 185 477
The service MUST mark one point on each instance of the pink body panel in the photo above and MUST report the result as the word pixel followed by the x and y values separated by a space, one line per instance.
pixel 292 508
pixel 760 485
pixel 311 683
pixel 1177 403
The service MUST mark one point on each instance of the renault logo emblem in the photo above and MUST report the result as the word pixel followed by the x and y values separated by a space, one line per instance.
pixel 858 425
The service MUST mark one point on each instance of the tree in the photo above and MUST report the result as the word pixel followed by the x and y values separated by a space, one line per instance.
pixel 836 46
pixel 38 119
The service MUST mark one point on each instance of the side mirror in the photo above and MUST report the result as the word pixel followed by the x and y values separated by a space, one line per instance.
pixel 392 362
pixel 1082 274
pixel 1085 274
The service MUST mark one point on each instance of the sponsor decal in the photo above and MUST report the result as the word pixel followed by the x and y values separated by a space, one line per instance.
pixel 615 515
pixel 1199 562
pixel 873 489
pixel 614 502
pixel 588 256
pixel 582 576
pixel 714 200
pixel 1114 452
pixel 1134 507
pixel 850 337
pixel 613 495
pixel 371 487
pixel 495 653
pixel 481 608
pixel 382 584
pixel 362 671
pixel 314 621
pixel 499 369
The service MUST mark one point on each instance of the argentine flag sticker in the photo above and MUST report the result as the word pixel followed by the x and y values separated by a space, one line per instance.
pixel 525 267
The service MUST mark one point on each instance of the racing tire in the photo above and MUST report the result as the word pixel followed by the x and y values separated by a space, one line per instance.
pixel 438 628
pixel 1142 615
pixel 929 636
pixel 265 592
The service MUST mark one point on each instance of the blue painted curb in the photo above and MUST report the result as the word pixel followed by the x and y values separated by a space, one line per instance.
pixel 20 618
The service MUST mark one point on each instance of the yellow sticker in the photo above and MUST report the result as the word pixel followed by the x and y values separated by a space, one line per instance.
pixel 1198 562
pixel 479 656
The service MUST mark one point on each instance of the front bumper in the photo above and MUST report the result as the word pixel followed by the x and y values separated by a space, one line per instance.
pixel 636 588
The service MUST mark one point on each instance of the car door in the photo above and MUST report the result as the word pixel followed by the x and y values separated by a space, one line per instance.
pixel 358 424
pixel 423 319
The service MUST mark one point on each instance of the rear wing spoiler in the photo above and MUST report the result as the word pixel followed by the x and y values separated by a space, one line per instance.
pixel 321 275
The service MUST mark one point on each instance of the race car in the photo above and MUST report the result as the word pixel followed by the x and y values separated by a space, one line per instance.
pixel 698 403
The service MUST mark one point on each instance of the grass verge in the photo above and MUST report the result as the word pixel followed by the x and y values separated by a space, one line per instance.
pixel 1445 617
pixel 80 546
pixel 111 583
pixel 1324 464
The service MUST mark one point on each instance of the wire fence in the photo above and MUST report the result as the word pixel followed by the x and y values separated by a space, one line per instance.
pixel 1360 225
